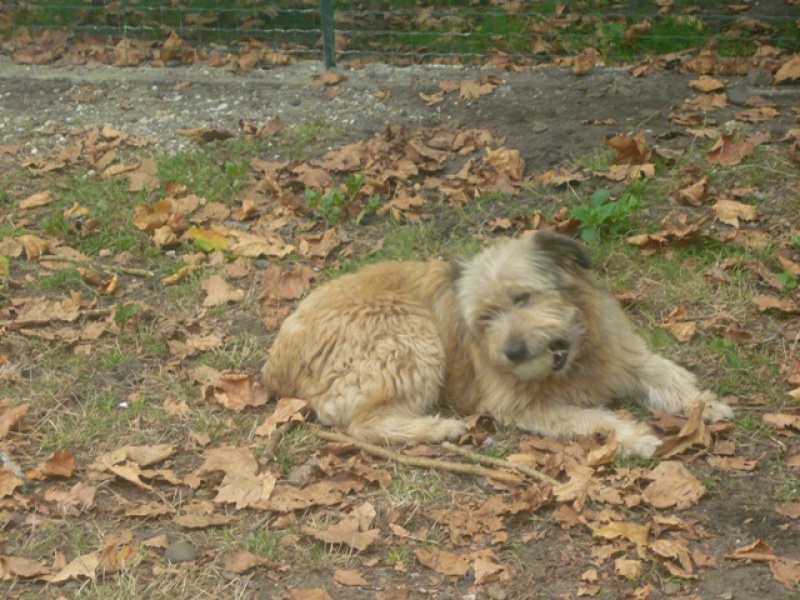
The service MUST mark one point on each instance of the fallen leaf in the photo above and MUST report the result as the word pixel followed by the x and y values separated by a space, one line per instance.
pixel 630 150
pixel 82 566
pixel 352 531
pixel 634 532
pixel 756 551
pixel 787 571
pixel 8 482
pixel 60 464
pixel 243 561
pixel 286 410
pixel 348 577
pixel 443 562
pixel 11 415
pixel 628 568
pixel 672 486
pixel 220 292
pixel 35 200
pixel 728 151
pixel 789 71
pixel 731 211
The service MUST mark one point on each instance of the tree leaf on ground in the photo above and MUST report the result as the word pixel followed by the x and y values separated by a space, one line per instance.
pixel 443 562
pixel 630 150
pixel 638 534
pixel 787 571
pixel 728 151
pixel 352 531
pixel 80 567
pixel 36 200
pixel 10 415
pixel 672 486
pixel 731 211
pixel 60 464
pixel 286 410
pixel 789 71
pixel 756 551
pixel 220 292
pixel 242 561
pixel 348 577
pixel 8 482
pixel 12 567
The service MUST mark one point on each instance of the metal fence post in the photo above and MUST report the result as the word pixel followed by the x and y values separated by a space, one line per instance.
pixel 328 33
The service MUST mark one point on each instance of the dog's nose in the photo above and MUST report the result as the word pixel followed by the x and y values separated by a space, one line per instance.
pixel 517 351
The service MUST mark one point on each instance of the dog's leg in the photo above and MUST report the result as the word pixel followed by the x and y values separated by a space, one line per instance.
pixel 571 421
pixel 395 425
pixel 671 388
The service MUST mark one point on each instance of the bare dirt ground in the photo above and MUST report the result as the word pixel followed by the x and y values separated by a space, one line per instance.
pixel 550 116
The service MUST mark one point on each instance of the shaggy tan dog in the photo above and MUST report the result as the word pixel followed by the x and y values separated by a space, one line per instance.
pixel 521 332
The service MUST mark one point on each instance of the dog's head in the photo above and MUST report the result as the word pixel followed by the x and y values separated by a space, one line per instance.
pixel 519 301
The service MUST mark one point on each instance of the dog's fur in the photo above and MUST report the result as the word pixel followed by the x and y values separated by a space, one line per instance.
pixel 374 352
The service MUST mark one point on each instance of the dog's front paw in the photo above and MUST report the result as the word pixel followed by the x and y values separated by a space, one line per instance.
pixel 714 410
pixel 637 439
pixel 451 429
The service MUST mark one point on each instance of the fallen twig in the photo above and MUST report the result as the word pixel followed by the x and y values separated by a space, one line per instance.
pixel 499 462
pixel 93 313
pixel 97 265
pixel 418 461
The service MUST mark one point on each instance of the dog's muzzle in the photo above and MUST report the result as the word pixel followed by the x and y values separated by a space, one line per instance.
pixel 528 366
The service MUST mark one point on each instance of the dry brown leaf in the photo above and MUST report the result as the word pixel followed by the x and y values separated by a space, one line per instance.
pixel 443 562
pixel 304 594
pixel 693 432
pixel 507 161
pixel 672 486
pixel 470 89
pixel 235 391
pixel 12 567
pixel 8 482
pixel 732 211
pixel 630 150
pixel 286 410
pixel 728 151
pixel 82 566
pixel 787 571
pixel 352 531
pixel 766 302
pixel 789 71
pixel 73 501
pixel 243 561
pixel 220 292
pixel 628 568
pixel 756 551
pixel 693 194
pixel 789 419
pixel 789 509
pixel 706 84
pixel 11 415
pixel 35 200
pixel 638 534
pixel 348 577
pixel 328 78
pixel 733 463
pixel 60 464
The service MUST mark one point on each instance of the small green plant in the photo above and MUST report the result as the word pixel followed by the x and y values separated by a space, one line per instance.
pixel 789 281
pixel 334 206
pixel 124 313
pixel 601 214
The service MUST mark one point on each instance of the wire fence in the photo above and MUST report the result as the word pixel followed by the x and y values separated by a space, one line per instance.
pixel 407 31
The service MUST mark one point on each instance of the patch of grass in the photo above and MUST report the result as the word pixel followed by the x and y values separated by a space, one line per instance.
pixel 297 445
pixel 202 172
pixel 298 137
pixel 64 281
pixel 336 204
pixel 237 353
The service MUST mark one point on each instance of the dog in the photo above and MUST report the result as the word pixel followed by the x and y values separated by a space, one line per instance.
pixel 521 332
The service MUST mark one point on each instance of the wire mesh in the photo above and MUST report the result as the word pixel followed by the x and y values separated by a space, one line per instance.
pixel 406 31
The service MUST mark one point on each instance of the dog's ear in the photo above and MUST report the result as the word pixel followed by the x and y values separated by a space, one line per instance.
pixel 563 251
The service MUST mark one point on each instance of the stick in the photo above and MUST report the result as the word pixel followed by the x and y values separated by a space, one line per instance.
pixel 418 461
pixel 93 313
pixel 499 462
pixel 93 263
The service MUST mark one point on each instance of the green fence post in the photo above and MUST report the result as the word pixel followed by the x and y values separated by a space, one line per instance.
pixel 328 33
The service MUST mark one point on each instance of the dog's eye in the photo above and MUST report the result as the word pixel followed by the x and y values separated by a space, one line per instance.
pixel 522 298
pixel 485 317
